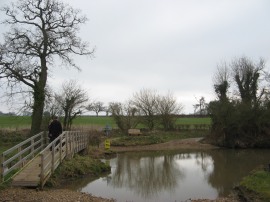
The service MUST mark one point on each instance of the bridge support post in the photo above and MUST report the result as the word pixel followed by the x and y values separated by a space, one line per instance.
pixel 20 157
pixel 53 156
pixel 2 168
pixel 44 141
pixel 42 171
pixel 61 147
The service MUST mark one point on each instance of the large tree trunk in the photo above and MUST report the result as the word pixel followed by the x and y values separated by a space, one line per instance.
pixel 38 107
pixel 39 99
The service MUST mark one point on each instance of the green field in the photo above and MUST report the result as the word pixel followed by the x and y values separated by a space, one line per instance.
pixel 18 122
pixel 14 122
pixel 194 120
pixel 94 120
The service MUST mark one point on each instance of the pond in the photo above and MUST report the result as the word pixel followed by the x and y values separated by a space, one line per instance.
pixel 174 175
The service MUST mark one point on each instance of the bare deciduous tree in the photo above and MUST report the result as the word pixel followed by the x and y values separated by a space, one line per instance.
pixel 125 115
pixel 201 107
pixel 115 107
pixel 221 81
pixel 168 109
pixel 96 107
pixel 71 99
pixel 41 30
pixel 52 106
pixel 146 102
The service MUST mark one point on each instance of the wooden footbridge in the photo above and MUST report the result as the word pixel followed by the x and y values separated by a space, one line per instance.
pixel 33 161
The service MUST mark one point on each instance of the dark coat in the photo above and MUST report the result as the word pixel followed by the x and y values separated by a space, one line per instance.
pixel 55 129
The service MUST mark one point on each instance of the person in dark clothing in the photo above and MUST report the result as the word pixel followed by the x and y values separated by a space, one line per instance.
pixel 55 129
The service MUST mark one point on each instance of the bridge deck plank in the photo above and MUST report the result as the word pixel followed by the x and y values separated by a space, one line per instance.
pixel 29 176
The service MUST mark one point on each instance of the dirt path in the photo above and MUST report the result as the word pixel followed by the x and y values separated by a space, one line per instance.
pixel 49 195
pixel 190 143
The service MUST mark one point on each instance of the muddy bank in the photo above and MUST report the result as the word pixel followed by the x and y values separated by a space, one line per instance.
pixel 59 195
pixel 190 143
pixel 47 195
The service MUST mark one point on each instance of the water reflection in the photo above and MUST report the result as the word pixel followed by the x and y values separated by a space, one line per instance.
pixel 146 175
pixel 175 176
pixel 232 165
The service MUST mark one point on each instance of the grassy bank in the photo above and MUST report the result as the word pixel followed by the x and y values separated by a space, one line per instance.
pixel 78 167
pixel 256 186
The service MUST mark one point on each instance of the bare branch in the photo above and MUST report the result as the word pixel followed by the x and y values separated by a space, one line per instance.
pixel 41 30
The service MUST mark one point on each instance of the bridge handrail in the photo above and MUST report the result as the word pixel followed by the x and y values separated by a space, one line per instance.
pixel 21 155
pixel 70 142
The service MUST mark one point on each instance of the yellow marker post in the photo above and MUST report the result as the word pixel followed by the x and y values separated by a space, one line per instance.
pixel 107 144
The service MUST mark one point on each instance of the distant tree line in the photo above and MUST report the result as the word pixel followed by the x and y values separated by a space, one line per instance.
pixel 7 114
pixel 149 108
pixel 146 107
pixel 241 113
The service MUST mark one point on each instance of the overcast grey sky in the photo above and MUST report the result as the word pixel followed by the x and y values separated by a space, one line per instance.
pixel 166 45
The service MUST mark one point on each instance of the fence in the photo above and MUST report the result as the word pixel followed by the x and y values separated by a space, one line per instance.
pixel 49 157
pixel 70 142
pixel 19 155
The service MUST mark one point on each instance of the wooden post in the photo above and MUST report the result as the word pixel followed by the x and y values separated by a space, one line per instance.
pixel 80 141
pixel 2 167
pixel 20 158
pixel 71 144
pixel 42 170
pixel 74 144
pixel 32 147
pixel 53 155
pixel 60 147
pixel 42 137
pixel 67 143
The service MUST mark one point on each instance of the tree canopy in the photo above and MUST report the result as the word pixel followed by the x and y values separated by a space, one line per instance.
pixel 241 120
pixel 41 32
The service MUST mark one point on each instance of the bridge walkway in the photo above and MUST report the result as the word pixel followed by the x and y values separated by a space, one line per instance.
pixel 32 162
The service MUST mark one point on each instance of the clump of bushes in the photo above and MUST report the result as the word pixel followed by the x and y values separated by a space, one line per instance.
pixel 241 121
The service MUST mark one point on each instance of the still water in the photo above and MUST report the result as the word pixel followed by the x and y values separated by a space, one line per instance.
pixel 175 175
